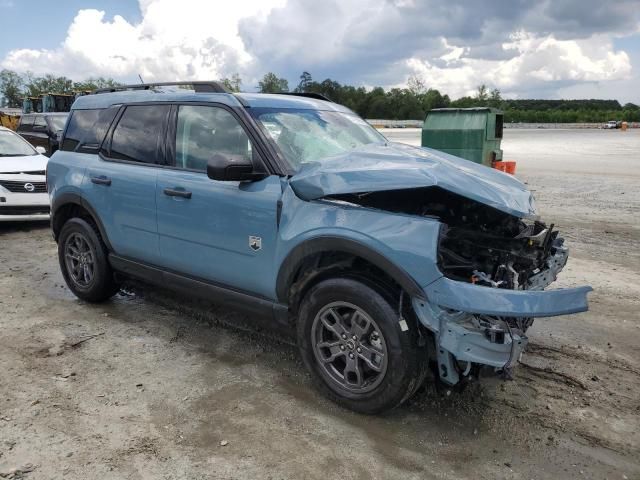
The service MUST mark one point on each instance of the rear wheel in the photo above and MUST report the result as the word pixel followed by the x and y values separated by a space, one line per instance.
pixel 353 345
pixel 83 261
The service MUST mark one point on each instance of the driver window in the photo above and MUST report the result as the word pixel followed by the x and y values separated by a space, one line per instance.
pixel 204 131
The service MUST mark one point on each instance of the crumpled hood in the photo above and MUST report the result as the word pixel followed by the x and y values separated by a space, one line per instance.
pixel 397 166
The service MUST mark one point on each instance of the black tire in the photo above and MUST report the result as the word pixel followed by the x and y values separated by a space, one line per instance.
pixel 405 360
pixel 101 285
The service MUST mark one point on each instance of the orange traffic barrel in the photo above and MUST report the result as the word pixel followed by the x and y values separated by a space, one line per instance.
pixel 505 166
pixel 510 167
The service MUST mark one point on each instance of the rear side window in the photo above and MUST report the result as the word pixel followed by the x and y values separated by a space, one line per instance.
pixel 87 129
pixel 137 136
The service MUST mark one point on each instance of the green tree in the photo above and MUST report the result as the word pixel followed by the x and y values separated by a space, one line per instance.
pixel 482 94
pixel 36 86
pixel 434 99
pixel 465 102
pixel 416 85
pixel 495 99
pixel 94 84
pixel 271 83
pixel 377 104
pixel 305 83
pixel 234 83
pixel 11 85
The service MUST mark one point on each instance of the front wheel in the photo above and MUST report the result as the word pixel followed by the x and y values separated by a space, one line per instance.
pixel 357 352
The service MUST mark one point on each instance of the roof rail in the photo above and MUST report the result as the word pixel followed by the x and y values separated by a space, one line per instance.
pixel 317 96
pixel 199 87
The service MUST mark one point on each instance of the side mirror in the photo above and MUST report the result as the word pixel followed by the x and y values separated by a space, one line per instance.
pixel 229 168
pixel 41 150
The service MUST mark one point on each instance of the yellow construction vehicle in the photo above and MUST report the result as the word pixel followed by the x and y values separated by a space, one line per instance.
pixel 10 118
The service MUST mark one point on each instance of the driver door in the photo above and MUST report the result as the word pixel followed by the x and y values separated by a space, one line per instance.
pixel 220 232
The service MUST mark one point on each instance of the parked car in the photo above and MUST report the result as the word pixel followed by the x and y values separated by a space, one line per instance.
pixel 43 129
pixel 23 192
pixel 382 257
pixel 610 124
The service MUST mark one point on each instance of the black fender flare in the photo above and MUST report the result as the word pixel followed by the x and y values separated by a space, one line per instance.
pixel 65 199
pixel 329 243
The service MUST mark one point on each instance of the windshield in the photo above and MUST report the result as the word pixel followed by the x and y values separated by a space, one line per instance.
pixel 57 122
pixel 311 135
pixel 12 145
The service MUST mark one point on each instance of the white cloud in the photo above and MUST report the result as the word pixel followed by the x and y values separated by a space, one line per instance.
pixel 175 40
pixel 454 44
pixel 537 61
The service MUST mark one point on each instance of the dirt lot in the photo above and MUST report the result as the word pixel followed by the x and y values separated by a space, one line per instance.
pixel 147 386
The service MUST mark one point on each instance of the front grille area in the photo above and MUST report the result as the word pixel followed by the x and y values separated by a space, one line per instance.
pixel 24 209
pixel 18 186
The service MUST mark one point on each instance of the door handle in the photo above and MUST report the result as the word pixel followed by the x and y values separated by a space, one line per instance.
pixel 101 180
pixel 177 193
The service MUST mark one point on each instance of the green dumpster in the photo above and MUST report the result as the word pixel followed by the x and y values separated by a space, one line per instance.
pixel 471 133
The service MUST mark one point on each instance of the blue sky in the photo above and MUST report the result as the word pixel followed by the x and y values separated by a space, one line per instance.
pixel 526 48
pixel 49 27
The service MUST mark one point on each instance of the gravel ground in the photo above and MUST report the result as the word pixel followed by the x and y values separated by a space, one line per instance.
pixel 151 386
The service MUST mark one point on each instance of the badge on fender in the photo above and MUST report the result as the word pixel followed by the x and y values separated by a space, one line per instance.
pixel 255 243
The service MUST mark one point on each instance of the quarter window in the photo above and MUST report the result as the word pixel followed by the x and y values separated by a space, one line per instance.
pixel 136 137
pixel 205 131
pixel 87 129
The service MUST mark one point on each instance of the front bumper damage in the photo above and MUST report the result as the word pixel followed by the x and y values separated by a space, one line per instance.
pixel 477 325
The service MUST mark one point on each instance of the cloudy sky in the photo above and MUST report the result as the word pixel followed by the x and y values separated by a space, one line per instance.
pixel 526 48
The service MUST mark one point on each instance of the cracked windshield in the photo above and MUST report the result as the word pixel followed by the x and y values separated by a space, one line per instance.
pixel 306 136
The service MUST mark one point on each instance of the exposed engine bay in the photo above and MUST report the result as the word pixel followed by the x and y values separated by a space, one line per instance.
pixel 486 247
pixel 478 244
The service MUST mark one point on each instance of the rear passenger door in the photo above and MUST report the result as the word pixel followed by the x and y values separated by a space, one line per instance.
pixel 121 182
pixel 222 232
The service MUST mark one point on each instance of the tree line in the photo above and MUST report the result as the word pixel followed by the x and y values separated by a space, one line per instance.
pixel 416 99
pixel 15 87
pixel 409 103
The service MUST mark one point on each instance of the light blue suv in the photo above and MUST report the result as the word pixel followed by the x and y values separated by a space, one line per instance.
pixel 384 259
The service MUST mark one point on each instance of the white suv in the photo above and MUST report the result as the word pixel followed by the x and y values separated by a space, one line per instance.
pixel 23 189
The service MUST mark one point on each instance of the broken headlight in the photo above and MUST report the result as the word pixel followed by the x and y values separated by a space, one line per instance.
pixel 504 256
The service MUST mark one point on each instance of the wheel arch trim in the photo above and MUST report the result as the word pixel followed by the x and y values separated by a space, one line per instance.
pixel 65 199
pixel 332 243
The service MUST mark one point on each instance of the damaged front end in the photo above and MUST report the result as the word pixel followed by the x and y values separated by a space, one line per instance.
pixel 494 267
pixel 493 249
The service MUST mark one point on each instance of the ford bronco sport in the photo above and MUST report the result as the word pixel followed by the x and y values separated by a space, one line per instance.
pixel 383 258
